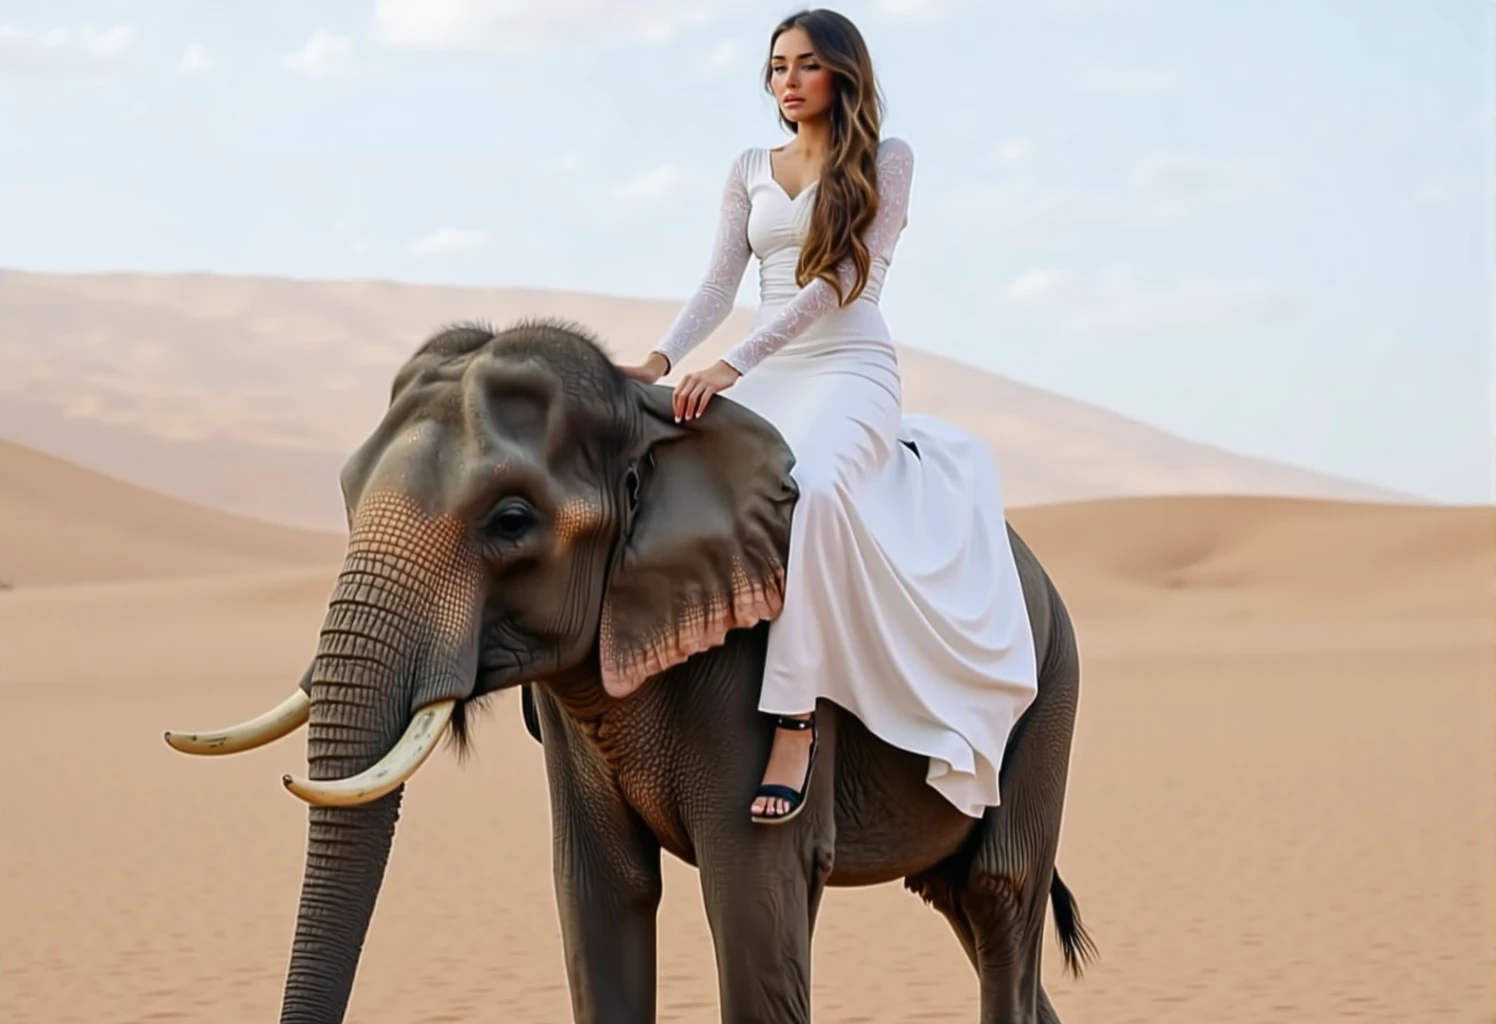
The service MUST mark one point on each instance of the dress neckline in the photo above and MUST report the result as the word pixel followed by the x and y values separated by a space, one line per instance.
pixel 769 171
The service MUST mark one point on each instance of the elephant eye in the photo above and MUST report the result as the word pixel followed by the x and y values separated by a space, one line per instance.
pixel 631 488
pixel 511 519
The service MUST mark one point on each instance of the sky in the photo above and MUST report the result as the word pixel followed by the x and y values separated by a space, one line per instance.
pixel 1265 226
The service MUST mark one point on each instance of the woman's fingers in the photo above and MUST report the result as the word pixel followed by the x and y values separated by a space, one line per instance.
pixel 683 396
pixel 703 396
pixel 691 397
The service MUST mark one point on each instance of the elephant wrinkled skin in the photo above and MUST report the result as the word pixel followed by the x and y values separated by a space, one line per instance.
pixel 525 515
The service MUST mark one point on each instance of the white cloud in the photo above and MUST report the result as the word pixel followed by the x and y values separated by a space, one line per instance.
pixel 1014 151
pixel 88 51
pixel 1160 186
pixel 324 55
pixel 195 60
pixel 1027 204
pixel 933 10
pixel 447 241
pixel 1129 81
pixel 515 25
pixel 1434 192
pixel 1037 285
pixel 921 9
pixel 355 233
pixel 1117 303
pixel 1180 184
pixel 652 186
pixel 1088 7
pixel 720 57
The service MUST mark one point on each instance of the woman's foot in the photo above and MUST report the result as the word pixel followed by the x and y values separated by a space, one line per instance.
pixel 782 794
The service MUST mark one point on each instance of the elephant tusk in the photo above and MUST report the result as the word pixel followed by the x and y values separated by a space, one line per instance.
pixel 412 749
pixel 285 718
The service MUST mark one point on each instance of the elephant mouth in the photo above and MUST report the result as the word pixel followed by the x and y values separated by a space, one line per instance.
pixel 393 770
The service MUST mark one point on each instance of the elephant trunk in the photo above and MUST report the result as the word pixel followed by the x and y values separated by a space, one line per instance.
pixel 347 849
pixel 379 658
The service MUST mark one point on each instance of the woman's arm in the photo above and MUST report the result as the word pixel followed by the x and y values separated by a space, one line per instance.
pixel 705 311
pixel 895 181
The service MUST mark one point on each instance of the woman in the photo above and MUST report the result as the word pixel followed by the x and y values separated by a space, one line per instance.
pixel 902 602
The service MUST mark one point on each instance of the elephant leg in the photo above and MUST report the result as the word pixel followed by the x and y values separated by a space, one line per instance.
pixel 964 934
pixel 1009 878
pixel 1047 1013
pixel 999 915
pixel 608 886
pixel 762 887
pixel 608 917
pixel 761 903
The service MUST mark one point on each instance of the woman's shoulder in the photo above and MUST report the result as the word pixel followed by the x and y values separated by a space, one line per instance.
pixel 747 159
pixel 895 148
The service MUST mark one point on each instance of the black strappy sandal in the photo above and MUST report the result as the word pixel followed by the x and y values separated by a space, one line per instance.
pixel 774 791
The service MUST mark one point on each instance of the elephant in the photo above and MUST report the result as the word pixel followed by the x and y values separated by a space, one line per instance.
pixel 526 515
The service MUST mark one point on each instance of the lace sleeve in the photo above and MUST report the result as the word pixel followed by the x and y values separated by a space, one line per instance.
pixel 705 311
pixel 895 180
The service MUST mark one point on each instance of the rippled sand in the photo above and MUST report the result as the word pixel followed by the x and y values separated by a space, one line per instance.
pixel 1282 803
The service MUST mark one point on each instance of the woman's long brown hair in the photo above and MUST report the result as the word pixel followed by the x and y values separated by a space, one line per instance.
pixel 846 200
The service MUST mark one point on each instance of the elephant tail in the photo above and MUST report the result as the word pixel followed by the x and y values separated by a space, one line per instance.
pixel 1075 941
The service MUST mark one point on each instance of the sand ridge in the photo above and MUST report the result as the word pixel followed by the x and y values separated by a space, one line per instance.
pixel 61 523
pixel 202 386
pixel 1282 800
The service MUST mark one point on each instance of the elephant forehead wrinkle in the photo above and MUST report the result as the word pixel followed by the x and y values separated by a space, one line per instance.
pixel 497 377
pixel 564 387
pixel 518 420
pixel 549 373
pixel 481 482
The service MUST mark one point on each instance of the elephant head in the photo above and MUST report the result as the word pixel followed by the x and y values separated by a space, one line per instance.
pixel 523 510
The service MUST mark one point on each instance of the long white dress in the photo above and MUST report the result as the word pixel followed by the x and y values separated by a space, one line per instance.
pixel 902 601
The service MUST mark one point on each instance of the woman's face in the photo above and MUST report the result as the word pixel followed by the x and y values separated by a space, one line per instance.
pixel 802 86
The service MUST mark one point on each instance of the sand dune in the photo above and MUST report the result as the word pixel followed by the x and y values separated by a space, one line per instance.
pixel 60 523
pixel 1337 559
pixel 209 388
pixel 1282 801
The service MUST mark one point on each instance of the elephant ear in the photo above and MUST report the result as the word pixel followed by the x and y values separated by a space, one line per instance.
pixel 705 549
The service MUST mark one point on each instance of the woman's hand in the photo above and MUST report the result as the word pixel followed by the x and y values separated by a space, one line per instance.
pixel 649 371
pixel 697 389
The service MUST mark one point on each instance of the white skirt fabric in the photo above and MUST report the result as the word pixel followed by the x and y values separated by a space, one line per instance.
pixel 902 598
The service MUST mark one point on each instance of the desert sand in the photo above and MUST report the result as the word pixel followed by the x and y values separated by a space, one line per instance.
pixel 1282 802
